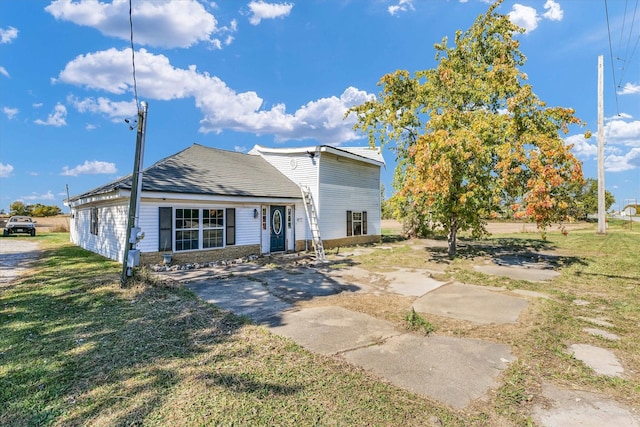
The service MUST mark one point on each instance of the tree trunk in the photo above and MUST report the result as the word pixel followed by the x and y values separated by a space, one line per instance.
pixel 451 238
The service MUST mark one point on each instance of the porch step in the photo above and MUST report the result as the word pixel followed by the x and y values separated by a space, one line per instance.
pixel 312 218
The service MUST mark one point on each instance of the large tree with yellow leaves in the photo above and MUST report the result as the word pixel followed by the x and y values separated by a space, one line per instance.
pixel 471 135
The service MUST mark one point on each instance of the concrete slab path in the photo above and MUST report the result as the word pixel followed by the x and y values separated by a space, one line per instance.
pixel 332 330
pixel 410 282
pixel 580 408
pixel 476 304
pixel 454 371
pixel 601 360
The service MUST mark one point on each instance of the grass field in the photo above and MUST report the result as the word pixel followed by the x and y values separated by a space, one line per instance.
pixel 76 349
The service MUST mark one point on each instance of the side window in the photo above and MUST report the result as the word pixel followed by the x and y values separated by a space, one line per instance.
pixel 356 223
pixel 94 221
pixel 165 232
pixel 264 218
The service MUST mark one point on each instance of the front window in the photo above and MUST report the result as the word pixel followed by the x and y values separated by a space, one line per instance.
pixel 212 228
pixel 187 229
pixel 200 228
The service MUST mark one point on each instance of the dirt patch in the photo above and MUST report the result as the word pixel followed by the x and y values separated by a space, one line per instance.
pixel 17 257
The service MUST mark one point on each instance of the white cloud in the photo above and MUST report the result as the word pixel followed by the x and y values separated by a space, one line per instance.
pixel 90 126
pixel 34 196
pixel 116 111
pixel 10 112
pixel 629 88
pixel 4 71
pixel 37 105
pixel 629 161
pixel 5 170
pixel 90 168
pixel 581 146
pixel 619 116
pixel 620 132
pixel 261 10
pixel 622 149
pixel 527 17
pixel 57 118
pixel 8 35
pixel 239 149
pixel 554 12
pixel 156 23
pixel 402 6
pixel 524 16
pixel 222 107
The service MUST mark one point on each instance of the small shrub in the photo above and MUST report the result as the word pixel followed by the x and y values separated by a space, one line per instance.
pixel 415 322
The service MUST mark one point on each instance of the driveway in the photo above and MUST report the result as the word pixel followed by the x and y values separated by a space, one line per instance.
pixel 16 257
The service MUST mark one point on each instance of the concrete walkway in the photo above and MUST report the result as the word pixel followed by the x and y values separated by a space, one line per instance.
pixel 454 371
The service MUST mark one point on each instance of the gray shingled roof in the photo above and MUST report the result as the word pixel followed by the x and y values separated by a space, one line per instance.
pixel 209 171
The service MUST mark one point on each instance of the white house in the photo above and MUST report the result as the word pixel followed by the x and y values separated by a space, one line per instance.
pixel 203 204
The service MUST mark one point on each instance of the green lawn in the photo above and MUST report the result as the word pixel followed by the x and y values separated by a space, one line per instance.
pixel 76 349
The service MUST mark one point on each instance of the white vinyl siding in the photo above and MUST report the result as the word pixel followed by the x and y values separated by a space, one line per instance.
pixel 112 227
pixel 347 185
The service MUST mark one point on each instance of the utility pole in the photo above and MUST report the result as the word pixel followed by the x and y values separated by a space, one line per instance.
pixel 602 225
pixel 131 256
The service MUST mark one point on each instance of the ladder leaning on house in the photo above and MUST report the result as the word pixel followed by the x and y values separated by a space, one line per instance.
pixel 312 218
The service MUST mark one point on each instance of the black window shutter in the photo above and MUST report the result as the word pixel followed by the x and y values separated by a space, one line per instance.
pixel 364 222
pixel 165 228
pixel 231 226
pixel 349 226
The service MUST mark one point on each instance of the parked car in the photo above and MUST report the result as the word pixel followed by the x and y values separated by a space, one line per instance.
pixel 19 224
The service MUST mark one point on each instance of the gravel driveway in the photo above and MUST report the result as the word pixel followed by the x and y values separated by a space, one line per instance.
pixel 16 256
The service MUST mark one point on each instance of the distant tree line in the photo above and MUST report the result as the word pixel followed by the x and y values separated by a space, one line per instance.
pixel 38 210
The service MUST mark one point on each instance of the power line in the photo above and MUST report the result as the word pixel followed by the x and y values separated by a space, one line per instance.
pixel 627 57
pixel 613 70
pixel 133 58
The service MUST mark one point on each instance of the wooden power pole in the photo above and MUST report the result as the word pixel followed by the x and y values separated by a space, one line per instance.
pixel 131 255
pixel 602 224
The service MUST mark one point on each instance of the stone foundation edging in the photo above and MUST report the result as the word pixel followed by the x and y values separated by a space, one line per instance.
pixel 201 257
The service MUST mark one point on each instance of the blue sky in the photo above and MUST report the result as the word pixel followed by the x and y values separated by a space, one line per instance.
pixel 232 74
